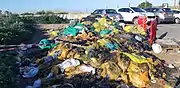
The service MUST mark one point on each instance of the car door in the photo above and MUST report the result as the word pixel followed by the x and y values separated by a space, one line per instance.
pixel 126 13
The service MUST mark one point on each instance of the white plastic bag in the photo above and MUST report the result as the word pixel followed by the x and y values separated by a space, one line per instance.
pixel 68 63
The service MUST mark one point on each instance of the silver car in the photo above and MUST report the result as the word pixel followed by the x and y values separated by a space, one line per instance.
pixel 111 13
pixel 163 14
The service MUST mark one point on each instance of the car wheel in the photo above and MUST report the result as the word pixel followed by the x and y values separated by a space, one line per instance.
pixel 177 20
pixel 135 21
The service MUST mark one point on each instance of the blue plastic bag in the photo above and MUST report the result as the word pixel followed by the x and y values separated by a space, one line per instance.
pixel 31 73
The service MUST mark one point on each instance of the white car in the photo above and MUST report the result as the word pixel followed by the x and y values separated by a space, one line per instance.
pixel 177 16
pixel 130 14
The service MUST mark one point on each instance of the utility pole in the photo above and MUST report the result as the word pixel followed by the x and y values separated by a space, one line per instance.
pixel 118 6
pixel 129 4
pixel 174 2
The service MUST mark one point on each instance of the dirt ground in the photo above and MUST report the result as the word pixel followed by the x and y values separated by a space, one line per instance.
pixel 170 58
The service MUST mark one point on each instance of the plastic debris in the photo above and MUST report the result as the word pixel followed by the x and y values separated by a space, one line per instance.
pixel 32 71
pixel 68 63
pixel 94 53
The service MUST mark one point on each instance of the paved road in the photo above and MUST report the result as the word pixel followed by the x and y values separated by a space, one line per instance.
pixel 173 31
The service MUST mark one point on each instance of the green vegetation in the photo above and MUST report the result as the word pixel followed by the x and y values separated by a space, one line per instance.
pixel 47 19
pixel 14 29
pixel 145 5
pixel 8 70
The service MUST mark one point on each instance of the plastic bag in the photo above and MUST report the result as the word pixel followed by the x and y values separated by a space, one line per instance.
pixel 68 63
pixel 56 49
pixel 123 63
pixel 108 44
pixel 33 71
pixel 111 70
pixel 104 32
pixel 136 58
pixel 64 53
pixel 70 31
pixel 139 74
pixel 95 62
pixel 37 84
pixel 124 77
pixel 46 44
pixel 139 80
pixel 54 33
pixel 102 21
pixel 79 70
pixel 79 26
pixel 135 29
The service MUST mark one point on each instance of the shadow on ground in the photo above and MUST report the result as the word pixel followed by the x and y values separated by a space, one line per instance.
pixel 38 35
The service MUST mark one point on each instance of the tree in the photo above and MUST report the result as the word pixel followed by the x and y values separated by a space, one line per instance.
pixel 49 12
pixel 0 11
pixel 27 13
pixel 145 5
pixel 41 12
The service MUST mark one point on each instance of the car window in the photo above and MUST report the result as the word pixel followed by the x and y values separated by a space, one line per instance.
pixel 176 11
pixel 166 10
pixel 148 9
pixel 128 10
pixel 121 10
pixel 124 10
pixel 111 11
pixel 155 10
pixel 98 12
pixel 137 9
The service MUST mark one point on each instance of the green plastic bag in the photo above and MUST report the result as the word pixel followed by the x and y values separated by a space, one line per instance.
pixel 70 31
pixel 111 46
pixel 79 26
pixel 105 32
pixel 46 44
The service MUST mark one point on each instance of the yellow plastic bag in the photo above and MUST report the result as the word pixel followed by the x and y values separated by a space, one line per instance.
pixel 139 80
pixel 124 77
pixel 71 54
pixel 57 48
pixel 123 64
pixel 102 42
pixel 65 52
pixel 128 28
pixel 54 33
pixel 79 70
pixel 116 31
pixel 97 26
pixel 111 70
pixel 136 58
pixel 135 29
pixel 102 21
pixel 133 67
pixel 95 62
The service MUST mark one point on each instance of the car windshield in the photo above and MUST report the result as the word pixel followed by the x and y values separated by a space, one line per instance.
pixel 166 10
pixel 137 9
pixel 111 11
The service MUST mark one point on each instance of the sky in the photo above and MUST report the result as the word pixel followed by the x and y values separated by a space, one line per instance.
pixel 20 6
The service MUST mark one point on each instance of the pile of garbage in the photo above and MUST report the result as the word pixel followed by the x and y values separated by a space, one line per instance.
pixel 94 53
